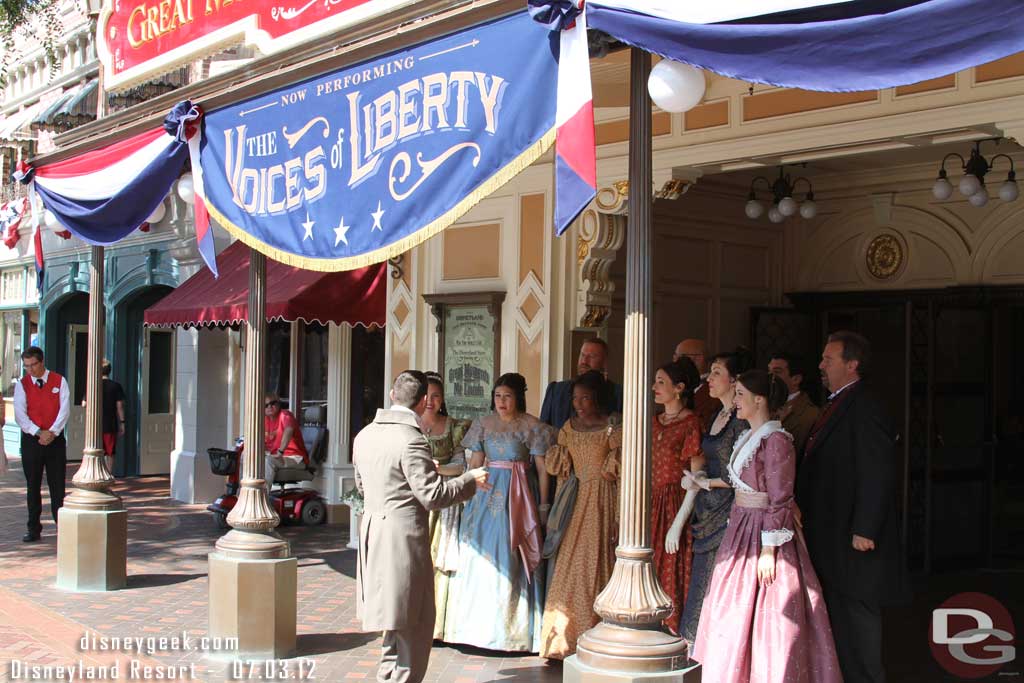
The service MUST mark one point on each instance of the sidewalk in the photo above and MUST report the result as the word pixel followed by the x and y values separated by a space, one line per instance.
pixel 168 543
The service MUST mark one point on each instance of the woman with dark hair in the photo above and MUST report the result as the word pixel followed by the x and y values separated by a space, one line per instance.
pixel 444 434
pixel 764 618
pixel 710 483
pixel 589 445
pixel 675 442
pixel 500 533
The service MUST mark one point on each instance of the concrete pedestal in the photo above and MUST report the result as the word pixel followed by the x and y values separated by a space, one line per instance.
pixel 92 549
pixel 573 671
pixel 255 602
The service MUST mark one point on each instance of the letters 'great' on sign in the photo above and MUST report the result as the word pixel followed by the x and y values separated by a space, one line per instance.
pixel 139 40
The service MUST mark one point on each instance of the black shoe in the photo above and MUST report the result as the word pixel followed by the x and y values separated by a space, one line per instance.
pixel 31 536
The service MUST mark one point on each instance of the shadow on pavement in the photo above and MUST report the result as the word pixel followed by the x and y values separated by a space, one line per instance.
pixel 154 580
pixel 311 644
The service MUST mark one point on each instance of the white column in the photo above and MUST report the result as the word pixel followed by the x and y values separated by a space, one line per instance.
pixel 295 368
pixel 337 470
pixel 186 416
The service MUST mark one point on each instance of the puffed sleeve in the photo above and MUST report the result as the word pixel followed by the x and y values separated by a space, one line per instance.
pixel 459 429
pixel 558 461
pixel 779 463
pixel 691 443
pixel 540 438
pixel 474 438
pixel 613 460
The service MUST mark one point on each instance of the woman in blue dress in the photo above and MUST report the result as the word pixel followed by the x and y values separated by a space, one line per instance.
pixel 496 595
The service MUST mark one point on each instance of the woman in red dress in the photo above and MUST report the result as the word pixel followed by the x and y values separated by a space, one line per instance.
pixel 676 440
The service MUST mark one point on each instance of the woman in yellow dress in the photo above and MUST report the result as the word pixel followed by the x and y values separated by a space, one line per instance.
pixel 589 444
pixel 444 434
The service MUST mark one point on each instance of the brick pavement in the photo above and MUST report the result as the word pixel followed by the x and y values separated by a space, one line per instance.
pixel 168 543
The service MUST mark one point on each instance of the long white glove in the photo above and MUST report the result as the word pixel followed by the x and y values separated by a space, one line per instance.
pixel 675 531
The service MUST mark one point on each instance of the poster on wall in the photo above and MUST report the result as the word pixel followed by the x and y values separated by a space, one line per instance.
pixel 468 353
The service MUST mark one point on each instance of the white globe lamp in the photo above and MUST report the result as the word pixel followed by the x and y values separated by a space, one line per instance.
pixel 157 215
pixel 969 185
pixel 1009 191
pixel 754 209
pixel 788 206
pixel 775 216
pixel 187 189
pixel 676 87
pixel 808 209
pixel 979 198
pixel 942 189
pixel 51 222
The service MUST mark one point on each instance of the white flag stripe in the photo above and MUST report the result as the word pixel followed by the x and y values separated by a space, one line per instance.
pixel 96 185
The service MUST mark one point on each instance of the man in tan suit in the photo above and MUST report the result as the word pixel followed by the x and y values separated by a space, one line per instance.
pixel 400 484
pixel 799 414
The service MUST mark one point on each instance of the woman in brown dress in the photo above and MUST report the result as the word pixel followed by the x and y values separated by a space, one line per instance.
pixel 676 441
pixel 588 444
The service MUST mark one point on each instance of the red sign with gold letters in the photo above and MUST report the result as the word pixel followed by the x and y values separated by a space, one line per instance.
pixel 141 39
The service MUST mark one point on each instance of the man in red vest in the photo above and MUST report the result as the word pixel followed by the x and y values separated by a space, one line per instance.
pixel 42 402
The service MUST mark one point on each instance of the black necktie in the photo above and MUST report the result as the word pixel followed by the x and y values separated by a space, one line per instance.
pixel 39 383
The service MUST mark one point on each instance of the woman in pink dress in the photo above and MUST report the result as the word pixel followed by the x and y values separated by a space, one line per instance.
pixel 764 617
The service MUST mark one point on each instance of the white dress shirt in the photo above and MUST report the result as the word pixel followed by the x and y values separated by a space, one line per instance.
pixel 21 407
pixel 833 395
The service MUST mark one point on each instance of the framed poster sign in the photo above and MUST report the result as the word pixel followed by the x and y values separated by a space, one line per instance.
pixel 469 349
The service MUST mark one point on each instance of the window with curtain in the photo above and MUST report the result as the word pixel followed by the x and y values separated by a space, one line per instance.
pixel 10 341
pixel 314 365
pixel 278 358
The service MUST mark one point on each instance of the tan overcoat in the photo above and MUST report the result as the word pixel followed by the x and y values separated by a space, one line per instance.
pixel 400 484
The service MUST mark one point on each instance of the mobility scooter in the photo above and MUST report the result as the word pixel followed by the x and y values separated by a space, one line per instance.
pixel 292 502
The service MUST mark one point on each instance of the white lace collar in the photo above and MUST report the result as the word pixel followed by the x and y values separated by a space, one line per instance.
pixel 743 452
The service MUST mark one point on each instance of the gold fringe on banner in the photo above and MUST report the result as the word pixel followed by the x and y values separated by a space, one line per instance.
pixel 485 189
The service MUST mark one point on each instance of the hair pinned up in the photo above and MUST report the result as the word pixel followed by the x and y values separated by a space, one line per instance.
pixel 515 382
pixel 736 362
pixel 435 379
pixel 683 371
pixel 762 383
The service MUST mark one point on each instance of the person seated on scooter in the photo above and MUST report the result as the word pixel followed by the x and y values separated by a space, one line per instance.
pixel 284 445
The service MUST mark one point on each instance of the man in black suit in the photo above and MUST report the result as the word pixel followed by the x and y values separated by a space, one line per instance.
pixel 557 406
pixel 847 493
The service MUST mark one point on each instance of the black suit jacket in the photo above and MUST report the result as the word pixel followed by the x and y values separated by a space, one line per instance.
pixel 847 484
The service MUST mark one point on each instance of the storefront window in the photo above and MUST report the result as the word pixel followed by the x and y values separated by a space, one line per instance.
pixel 278 358
pixel 10 341
pixel 314 365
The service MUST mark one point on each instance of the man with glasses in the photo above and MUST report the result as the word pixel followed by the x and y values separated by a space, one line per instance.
pixel 283 439
pixel 42 402
pixel 705 406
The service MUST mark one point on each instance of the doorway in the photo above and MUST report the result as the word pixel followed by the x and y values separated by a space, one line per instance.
pixel 66 352
pixel 145 368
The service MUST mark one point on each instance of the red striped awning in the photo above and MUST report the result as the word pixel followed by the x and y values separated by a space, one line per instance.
pixel 354 297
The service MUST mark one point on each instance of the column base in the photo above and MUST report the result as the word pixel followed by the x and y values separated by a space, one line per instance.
pixel 575 671
pixel 92 549
pixel 254 601
pixel 609 647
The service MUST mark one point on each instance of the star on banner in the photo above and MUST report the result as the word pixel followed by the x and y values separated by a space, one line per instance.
pixel 308 227
pixel 340 232
pixel 376 218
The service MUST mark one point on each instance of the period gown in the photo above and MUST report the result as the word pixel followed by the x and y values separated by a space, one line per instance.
pixel 709 520
pixel 496 596
pixel 446 449
pixel 674 445
pixel 748 632
pixel 587 551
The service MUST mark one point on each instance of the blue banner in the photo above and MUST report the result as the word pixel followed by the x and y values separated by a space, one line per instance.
pixel 362 164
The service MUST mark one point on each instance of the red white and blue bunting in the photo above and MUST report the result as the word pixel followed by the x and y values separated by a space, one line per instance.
pixel 355 166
